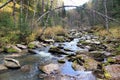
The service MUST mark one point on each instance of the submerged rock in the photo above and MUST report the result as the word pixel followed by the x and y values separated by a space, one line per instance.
pixel 11 63
pixel 50 68
pixel 26 68
pixel 3 68
pixel 112 72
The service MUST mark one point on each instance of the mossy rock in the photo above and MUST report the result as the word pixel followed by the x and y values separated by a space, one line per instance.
pixel 118 48
pixel 111 60
pixel 11 50
pixel 31 46
pixel 59 38
pixel 77 66
pixel 111 72
pixel 83 42
pixel 107 75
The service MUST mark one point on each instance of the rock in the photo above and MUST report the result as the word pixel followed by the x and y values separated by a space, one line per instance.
pixel 61 60
pixel 11 63
pixel 26 68
pixel 99 55
pixel 88 62
pixel 33 51
pixel 35 44
pixel 82 51
pixel 57 50
pixel 31 46
pixel 57 77
pixel 115 60
pixel 12 49
pixel 3 68
pixel 112 72
pixel 50 68
pixel 21 46
pixel 93 41
pixel 77 66
pixel 59 39
pixel 49 41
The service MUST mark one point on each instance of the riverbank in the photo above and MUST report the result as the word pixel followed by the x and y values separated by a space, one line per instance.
pixel 84 55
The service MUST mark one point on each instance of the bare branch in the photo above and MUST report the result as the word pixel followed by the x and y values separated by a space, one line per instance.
pixel 3 5
pixel 94 11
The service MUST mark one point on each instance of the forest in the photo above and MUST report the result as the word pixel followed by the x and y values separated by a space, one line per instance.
pixel 49 40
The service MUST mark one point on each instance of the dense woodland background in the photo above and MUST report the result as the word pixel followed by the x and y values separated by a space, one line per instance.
pixel 25 20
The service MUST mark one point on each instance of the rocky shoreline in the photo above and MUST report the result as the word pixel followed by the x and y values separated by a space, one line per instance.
pixel 83 49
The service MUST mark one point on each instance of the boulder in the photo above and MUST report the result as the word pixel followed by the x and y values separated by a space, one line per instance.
pixel 98 55
pixel 21 46
pixel 57 50
pixel 50 68
pixel 12 49
pixel 77 66
pixel 112 72
pixel 26 68
pixel 115 60
pixel 88 62
pixel 11 63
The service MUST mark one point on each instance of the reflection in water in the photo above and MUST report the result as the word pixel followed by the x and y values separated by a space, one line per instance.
pixel 80 75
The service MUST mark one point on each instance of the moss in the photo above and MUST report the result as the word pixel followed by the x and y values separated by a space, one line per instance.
pixel 118 48
pixel 107 75
pixel 59 39
pixel 31 46
pixel 83 42
pixel 111 60
pixel 11 50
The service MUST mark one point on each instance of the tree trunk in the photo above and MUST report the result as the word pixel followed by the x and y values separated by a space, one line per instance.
pixel 106 19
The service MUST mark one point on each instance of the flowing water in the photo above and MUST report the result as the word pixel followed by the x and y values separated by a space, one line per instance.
pixel 43 57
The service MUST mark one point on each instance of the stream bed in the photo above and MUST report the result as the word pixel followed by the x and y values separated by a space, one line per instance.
pixel 44 57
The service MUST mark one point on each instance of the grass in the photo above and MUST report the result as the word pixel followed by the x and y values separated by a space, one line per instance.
pixel 114 32
pixel 52 32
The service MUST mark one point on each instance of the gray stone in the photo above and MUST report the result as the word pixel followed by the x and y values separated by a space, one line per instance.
pixel 50 68
pixel 11 63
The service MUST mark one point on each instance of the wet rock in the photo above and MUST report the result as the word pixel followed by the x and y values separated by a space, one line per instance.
pixel 3 68
pixel 89 63
pixel 57 77
pixel 82 51
pixel 33 51
pixel 50 68
pixel 12 49
pixel 112 72
pixel 98 55
pixel 61 60
pixel 11 63
pixel 57 50
pixel 77 66
pixel 26 68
